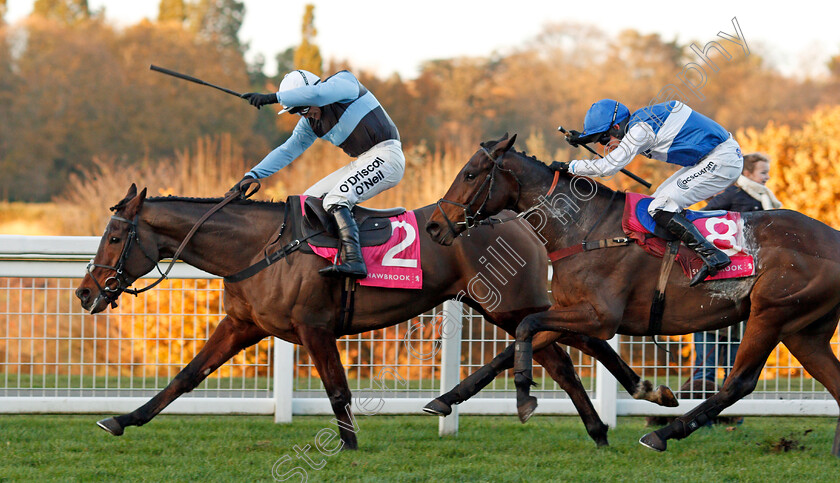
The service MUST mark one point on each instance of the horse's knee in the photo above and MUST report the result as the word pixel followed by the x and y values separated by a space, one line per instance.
pixel 527 328
pixel 339 399
pixel 738 387
pixel 185 381
pixel 504 360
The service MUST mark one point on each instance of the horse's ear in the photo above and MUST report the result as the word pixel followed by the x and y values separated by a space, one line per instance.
pixel 130 195
pixel 503 145
pixel 135 204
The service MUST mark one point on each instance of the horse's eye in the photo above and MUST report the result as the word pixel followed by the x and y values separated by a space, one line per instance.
pixel 469 176
pixel 114 239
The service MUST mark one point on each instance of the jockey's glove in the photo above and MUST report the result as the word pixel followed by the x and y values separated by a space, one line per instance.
pixel 243 185
pixel 561 166
pixel 258 100
pixel 574 138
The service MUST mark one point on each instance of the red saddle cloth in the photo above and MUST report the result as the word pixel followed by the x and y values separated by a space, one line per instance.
pixel 723 228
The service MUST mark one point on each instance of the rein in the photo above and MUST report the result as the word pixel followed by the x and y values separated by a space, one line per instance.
pixel 112 291
pixel 585 245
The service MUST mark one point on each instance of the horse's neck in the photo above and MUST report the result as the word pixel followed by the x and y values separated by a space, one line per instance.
pixel 571 212
pixel 224 244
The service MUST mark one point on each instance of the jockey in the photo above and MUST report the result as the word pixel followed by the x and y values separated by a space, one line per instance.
pixel 342 111
pixel 709 157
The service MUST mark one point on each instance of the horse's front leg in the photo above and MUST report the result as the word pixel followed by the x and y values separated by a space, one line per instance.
pixel 321 345
pixel 472 384
pixel 230 337
pixel 580 318
pixel 559 366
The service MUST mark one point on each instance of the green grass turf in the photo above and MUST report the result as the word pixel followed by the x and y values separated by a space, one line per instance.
pixel 407 448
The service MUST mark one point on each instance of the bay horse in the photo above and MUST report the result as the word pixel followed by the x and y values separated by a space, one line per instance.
pixel 291 301
pixel 794 296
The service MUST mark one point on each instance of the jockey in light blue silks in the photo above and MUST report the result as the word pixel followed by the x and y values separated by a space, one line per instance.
pixel 709 157
pixel 342 111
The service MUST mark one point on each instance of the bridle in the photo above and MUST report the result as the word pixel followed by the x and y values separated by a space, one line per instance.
pixel 111 292
pixel 489 181
pixel 117 283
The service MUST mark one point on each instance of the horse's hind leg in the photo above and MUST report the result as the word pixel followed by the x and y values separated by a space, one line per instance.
pixel 227 340
pixel 321 345
pixel 597 348
pixel 814 352
pixel 756 345
pixel 624 374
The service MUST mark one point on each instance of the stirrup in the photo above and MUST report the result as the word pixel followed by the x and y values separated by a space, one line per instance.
pixel 705 272
pixel 701 275
pixel 352 270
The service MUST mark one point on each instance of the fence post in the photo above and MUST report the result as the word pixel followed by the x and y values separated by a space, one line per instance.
pixel 284 374
pixel 450 360
pixel 606 390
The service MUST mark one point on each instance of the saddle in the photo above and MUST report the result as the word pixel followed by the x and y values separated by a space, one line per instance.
pixel 311 219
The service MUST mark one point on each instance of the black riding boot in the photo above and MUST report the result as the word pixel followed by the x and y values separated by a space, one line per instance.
pixel 714 260
pixel 353 265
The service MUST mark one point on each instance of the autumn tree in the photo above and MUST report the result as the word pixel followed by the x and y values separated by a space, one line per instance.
pixel 86 90
pixel 64 11
pixel 172 11
pixel 219 21
pixel 307 54
pixel 803 162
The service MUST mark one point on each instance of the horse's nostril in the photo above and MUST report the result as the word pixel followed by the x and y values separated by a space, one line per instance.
pixel 83 294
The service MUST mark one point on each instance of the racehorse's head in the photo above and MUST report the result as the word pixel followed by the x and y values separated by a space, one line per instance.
pixel 122 257
pixel 482 188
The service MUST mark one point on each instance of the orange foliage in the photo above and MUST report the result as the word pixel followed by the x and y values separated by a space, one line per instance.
pixel 803 163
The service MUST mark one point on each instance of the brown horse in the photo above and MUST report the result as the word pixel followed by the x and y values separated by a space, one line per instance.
pixel 793 296
pixel 291 301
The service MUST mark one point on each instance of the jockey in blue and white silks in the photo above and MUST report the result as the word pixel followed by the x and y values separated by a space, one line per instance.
pixel 710 161
pixel 342 111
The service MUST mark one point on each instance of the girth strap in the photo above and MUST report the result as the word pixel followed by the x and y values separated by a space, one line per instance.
pixel 657 307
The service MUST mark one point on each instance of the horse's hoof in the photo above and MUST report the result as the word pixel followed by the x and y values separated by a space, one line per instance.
pixel 654 442
pixel 599 435
pixel 667 398
pixel 438 408
pixel 527 408
pixel 111 425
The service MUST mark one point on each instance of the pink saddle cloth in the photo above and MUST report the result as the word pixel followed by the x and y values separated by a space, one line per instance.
pixel 723 228
pixel 395 263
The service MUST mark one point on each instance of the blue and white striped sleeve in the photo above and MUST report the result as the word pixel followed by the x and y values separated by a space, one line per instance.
pixel 302 137
pixel 636 140
pixel 340 87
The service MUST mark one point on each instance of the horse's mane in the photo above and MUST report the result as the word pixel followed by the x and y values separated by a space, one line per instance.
pixel 122 203
pixel 601 186
pixel 211 200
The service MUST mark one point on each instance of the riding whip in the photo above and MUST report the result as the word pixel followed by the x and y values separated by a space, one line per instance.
pixel 190 78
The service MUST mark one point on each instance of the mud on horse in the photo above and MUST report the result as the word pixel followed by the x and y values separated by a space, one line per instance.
pixel 793 298
pixel 291 301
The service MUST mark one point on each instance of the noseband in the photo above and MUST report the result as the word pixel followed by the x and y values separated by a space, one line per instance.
pixel 117 283
pixel 490 179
